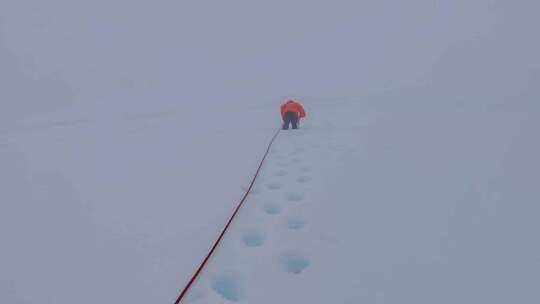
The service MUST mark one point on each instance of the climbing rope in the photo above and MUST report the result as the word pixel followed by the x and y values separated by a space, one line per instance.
pixel 216 243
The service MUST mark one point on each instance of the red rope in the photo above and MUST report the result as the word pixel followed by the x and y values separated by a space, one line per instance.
pixel 216 243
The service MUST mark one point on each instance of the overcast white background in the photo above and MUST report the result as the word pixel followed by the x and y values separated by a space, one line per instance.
pixel 116 115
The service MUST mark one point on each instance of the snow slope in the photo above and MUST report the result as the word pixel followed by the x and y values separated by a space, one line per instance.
pixel 370 200
pixel 393 206
pixel 128 129
pixel 118 208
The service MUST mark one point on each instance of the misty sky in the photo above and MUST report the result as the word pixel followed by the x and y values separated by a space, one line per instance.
pixel 61 52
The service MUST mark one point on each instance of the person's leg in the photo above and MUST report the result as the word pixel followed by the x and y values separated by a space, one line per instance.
pixel 294 120
pixel 286 121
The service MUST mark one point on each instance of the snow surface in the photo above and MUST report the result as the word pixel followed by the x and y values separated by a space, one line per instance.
pixel 130 129
pixel 359 204
pixel 375 207
pixel 92 208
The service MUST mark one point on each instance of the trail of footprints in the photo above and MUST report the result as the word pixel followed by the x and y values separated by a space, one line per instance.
pixel 228 284
pixel 272 208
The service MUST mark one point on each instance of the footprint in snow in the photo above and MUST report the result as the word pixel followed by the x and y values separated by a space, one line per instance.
pixel 253 238
pixel 228 286
pixel 294 197
pixel 294 263
pixel 272 209
pixel 295 223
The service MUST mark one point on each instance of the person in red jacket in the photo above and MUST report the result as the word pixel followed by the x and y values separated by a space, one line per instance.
pixel 291 112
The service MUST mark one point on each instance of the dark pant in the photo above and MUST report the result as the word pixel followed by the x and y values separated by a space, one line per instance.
pixel 290 118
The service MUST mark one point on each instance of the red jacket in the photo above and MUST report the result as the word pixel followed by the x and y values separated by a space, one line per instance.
pixel 292 106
